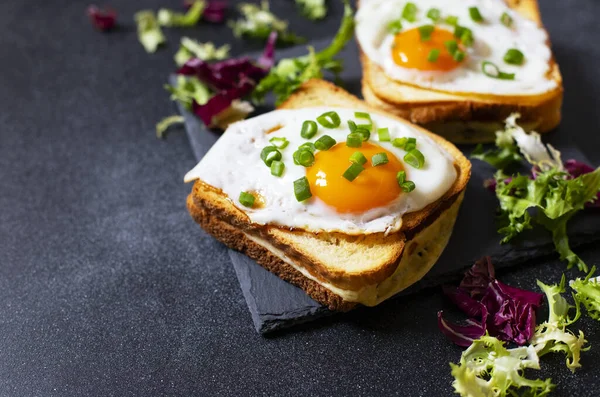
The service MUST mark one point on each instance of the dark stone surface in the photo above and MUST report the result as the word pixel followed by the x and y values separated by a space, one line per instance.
pixel 108 288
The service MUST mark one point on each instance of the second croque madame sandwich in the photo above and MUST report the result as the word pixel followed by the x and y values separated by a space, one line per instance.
pixel 336 197
pixel 459 67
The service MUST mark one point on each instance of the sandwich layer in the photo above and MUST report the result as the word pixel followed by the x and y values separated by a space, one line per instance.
pixel 337 269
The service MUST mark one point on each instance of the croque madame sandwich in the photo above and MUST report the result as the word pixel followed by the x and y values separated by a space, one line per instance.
pixel 332 195
pixel 459 67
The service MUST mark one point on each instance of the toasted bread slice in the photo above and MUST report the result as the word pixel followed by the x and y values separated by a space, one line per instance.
pixel 336 269
pixel 464 118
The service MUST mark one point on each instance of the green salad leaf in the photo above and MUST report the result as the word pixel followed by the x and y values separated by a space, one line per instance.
pixel 313 9
pixel 487 368
pixel 258 22
pixel 506 154
pixel 168 17
pixel 190 48
pixel 290 73
pixel 166 123
pixel 587 292
pixel 552 335
pixel 188 89
pixel 549 197
pixel 148 29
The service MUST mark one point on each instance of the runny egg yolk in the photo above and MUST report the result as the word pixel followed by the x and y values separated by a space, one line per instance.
pixel 410 51
pixel 373 188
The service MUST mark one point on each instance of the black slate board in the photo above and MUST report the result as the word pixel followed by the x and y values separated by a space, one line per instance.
pixel 275 304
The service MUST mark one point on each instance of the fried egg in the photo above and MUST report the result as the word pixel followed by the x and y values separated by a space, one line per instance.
pixel 374 201
pixel 430 49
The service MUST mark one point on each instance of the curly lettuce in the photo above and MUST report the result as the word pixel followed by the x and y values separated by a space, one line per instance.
pixel 487 368
pixel 258 22
pixel 290 73
pixel 587 293
pixel 549 197
pixel 190 48
pixel 552 335
pixel 313 9
pixel 170 18
pixel 149 32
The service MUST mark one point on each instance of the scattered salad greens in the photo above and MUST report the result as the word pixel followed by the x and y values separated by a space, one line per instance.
pixel 290 73
pixel 258 22
pixel 588 293
pixel 552 335
pixel 487 368
pixel 149 32
pixel 550 196
pixel 313 9
pixel 170 18
pixel 166 123
pixel 190 48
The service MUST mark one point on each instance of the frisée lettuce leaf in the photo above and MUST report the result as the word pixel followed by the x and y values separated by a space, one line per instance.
pixel 488 368
pixel 587 292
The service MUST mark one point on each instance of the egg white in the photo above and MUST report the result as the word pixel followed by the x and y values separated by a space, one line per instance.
pixel 492 40
pixel 234 165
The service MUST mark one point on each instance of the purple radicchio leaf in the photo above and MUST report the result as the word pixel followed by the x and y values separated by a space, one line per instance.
pixel 220 102
pixel 267 59
pixel 462 335
pixel 103 20
pixel 215 11
pixel 511 312
pixel 478 277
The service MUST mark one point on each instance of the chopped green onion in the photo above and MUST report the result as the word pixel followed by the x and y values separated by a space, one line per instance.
pixel 401 177
pixel 434 14
pixel 308 146
pixel 277 168
pixel 475 14
pixel 304 157
pixel 324 143
pixel 270 154
pixel 247 199
pixel 362 115
pixel 309 129
pixel 363 132
pixel 414 158
pixel 302 189
pixel 458 56
pixel 514 57
pixel 410 12
pixel 408 186
pixel 354 139
pixel 352 125
pixel 400 142
pixel 451 20
pixel 358 158
pixel 329 120
pixel 383 134
pixel 395 27
pixel 379 159
pixel 451 46
pixel 506 20
pixel 279 143
pixel 467 37
pixel 433 55
pixel 491 70
pixel 425 31
pixel 411 143
pixel 353 171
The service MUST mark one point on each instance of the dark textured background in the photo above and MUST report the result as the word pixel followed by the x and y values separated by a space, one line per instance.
pixel 107 287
